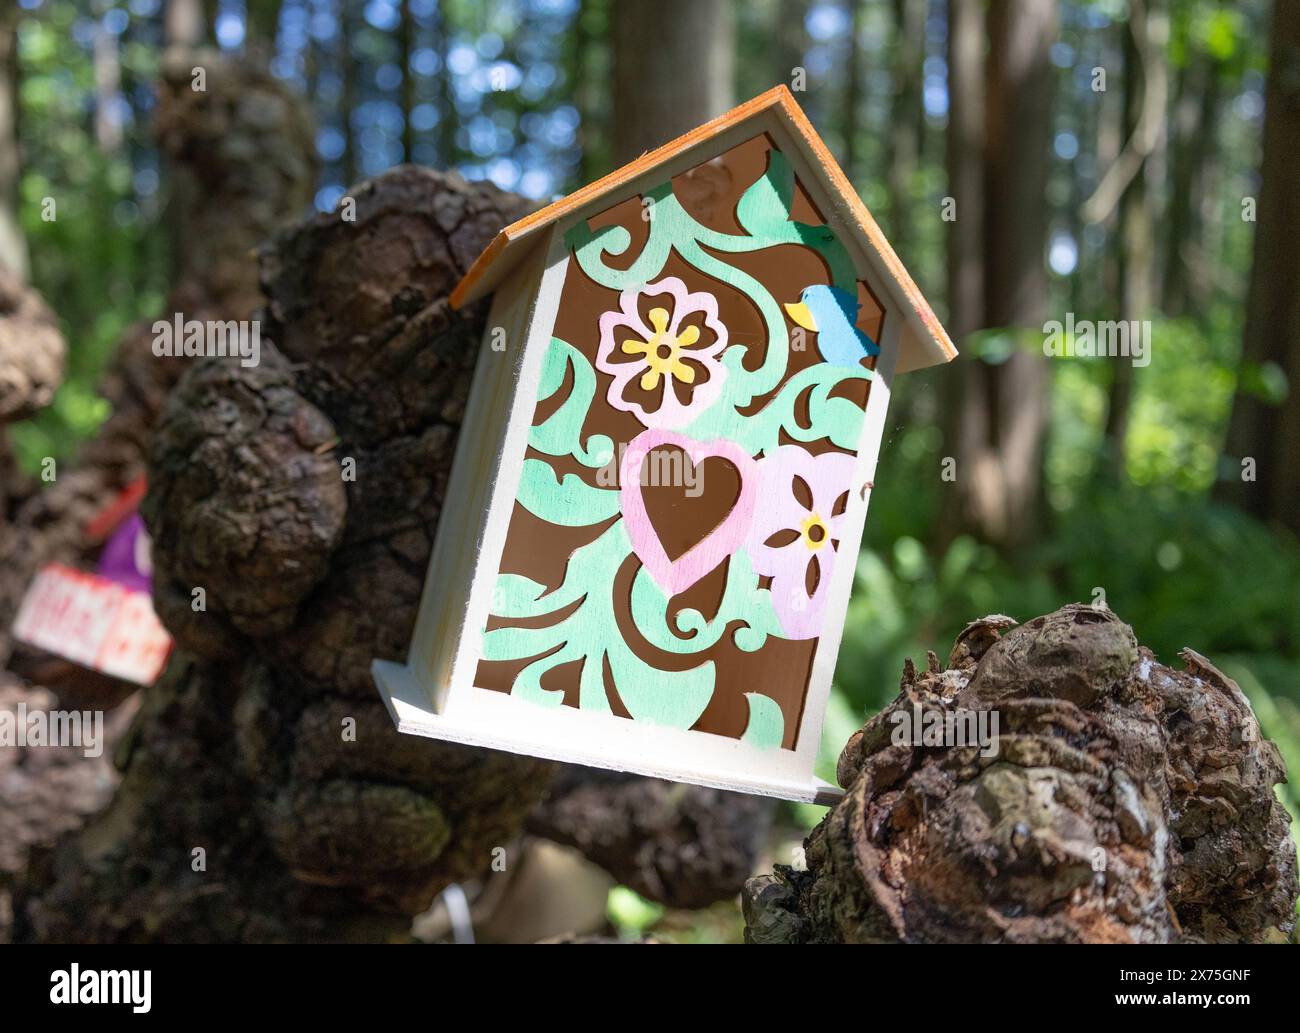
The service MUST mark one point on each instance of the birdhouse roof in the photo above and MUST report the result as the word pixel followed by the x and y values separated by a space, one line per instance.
pixel 924 340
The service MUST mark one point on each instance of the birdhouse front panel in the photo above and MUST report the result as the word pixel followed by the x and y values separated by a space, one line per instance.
pixel 692 458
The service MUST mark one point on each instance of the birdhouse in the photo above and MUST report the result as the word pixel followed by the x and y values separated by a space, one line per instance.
pixel 662 477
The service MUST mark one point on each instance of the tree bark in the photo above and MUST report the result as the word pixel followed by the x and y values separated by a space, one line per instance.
pixel 31 351
pixel 1195 110
pixel 907 119
pixel 405 46
pixel 243 749
pixel 1124 802
pixel 965 142
pixel 108 90
pixel 226 204
pixel 1264 430
pixel 685 845
pixel 590 36
pixel 787 40
pixel 849 117
pixel 1145 86
pixel 1001 416
pixel 964 245
pixel 261 27
pixel 673 69
pixel 347 70
pixel 448 116
pixel 184 25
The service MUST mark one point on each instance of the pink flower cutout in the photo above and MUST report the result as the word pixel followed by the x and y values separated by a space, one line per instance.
pixel 664 345
pixel 796 530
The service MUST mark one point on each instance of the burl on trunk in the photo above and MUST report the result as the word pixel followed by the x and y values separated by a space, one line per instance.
pixel 1126 802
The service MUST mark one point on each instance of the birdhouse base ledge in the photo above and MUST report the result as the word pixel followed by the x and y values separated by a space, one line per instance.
pixel 413 714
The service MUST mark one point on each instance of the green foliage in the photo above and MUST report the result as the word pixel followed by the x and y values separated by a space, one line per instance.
pixel 90 215
pixel 630 913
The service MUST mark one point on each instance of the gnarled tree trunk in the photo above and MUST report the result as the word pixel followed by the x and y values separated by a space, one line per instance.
pixel 1126 802
pixel 265 794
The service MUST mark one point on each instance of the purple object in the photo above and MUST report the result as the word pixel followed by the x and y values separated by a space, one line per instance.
pixel 125 559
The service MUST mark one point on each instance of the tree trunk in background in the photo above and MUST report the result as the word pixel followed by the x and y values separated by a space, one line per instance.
pixel 405 44
pixel 590 95
pixel 849 117
pixel 447 114
pixel 1268 433
pixel 1145 84
pixel 210 10
pixel 108 90
pixel 1132 265
pixel 965 141
pixel 1002 413
pixel 1109 143
pixel 347 70
pixel 13 245
pixel 1195 113
pixel 788 40
pixel 964 245
pixel 935 845
pixel 673 62
pixel 261 28
pixel 184 24
pixel 905 127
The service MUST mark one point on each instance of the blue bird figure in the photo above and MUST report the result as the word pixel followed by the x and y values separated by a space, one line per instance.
pixel 830 313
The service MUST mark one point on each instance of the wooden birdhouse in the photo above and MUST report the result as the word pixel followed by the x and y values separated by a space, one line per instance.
pixel 659 492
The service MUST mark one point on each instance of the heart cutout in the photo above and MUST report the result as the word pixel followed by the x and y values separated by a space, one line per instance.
pixel 673 562
pixel 685 507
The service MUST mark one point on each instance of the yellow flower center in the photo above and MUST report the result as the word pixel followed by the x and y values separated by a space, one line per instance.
pixel 815 532
pixel 663 352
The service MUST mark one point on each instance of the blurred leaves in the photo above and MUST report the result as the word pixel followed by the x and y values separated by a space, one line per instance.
pixel 630 913
pixel 99 253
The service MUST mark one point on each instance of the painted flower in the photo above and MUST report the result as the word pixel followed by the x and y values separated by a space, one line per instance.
pixel 796 531
pixel 659 358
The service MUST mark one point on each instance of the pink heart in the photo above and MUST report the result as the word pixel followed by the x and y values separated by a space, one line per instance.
pixel 675 576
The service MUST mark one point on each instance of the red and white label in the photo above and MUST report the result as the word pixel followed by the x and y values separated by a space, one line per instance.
pixel 93 622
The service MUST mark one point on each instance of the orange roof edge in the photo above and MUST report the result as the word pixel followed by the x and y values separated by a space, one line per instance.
pixel 927 344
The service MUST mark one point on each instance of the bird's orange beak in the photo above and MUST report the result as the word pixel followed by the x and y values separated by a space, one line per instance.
pixel 800 313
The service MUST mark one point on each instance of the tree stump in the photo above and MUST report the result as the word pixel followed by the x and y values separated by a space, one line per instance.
pixel 1126 802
